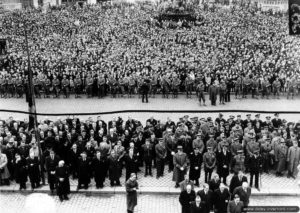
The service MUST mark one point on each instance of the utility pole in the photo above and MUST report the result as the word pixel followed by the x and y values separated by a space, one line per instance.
pixel 33 123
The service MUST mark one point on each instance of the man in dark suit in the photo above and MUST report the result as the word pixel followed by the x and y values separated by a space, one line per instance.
pixel 221 199
pixel 244 193
pixel 51 164
pixel 84 171
pixel 197 206
pixel 214 183
pixel 161 154
pixel 74 155
pixel 145 91
pixel 235 206
pixel 255 164
pixel 207 197
pixel 185 199
pixel 223 161
pixel 63 184
pixel 131 163
pixel 147 157
pixel 237 180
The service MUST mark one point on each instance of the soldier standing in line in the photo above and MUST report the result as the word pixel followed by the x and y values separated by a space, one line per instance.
pixel 223 89
pixel 209 160
pixel 89 86
pixel 19 87
pixel 56 86
pixel 47 87
pixel 200 89
pixel 276 88
pixel 65 86
pixel 78 86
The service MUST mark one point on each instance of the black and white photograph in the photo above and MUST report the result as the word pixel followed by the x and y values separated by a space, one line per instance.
pixel 149 106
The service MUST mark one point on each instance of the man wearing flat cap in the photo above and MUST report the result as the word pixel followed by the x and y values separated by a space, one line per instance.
pixel 180 161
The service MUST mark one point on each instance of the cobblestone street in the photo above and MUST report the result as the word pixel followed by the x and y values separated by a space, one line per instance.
pixel 14 202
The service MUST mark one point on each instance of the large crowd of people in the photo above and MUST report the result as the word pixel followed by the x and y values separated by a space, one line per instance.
pixel 105 48
pixel 190 147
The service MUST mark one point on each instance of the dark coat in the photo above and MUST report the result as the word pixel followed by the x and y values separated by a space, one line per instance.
pixel 62 178
pixel 131 165
pixel 21 170
pixel 73 159
pixel 235 182
pixel 222 162
pixel 179 161
pixel 244 196
pixel 255 164
pixel 84 169
pixel 221 200
pixel 197 209
pixel 195 161
pixel 214 185
pixel 233 208
pixel 33 169
pixel 99 169
pixel 131 194
pixel 114 168
pixel 147 153
pixel 207 199
pixel 185 200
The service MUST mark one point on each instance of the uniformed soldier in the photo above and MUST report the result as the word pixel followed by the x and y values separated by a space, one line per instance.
pixel 65 83
pixel 19 87
pixel 265 84
pixel 36 84
pixel 246 86
pixel 251 146
pixel 2 86
pixel 254 86
pixel 209 161
pixel 200 90
pixel 89 86
pixel 101 86
pixel 121 89
pixel 238 87
pixel 276 88
pixel 47 87
pixel 132 84
pixel 223 89
pixel 153 86
pixel 175 86
pixel 165 85
pixel 56 86
pixel 78 86
pixel 238 162
pixel 10 87
pixel 189 81
pixel 266 148
pixel 140 82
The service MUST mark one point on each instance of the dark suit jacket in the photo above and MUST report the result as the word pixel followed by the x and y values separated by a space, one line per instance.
pixel 207 199
pixel 235 182
pixel 197 209
pixel 233 208
pixel 221 200
pixel 243 195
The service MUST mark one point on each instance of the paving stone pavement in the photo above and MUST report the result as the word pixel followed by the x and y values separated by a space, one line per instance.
pixel 270 185
pixel 93 105
pixel 14 203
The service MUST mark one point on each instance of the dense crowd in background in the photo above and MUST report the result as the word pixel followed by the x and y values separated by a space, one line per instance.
pixel 102 48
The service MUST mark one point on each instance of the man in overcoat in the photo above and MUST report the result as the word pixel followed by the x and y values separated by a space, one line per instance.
pixel 180 161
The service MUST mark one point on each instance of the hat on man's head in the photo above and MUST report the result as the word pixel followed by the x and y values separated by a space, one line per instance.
pixel 257 115
pixel 248 115
pixel 179 147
